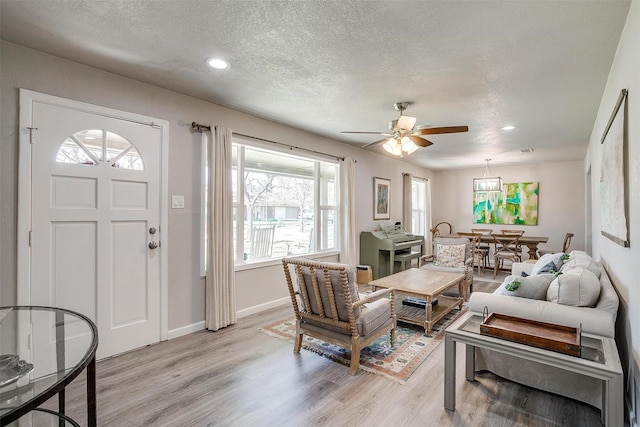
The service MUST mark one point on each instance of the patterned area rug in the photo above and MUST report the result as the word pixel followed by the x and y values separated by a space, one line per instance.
pixel 411 348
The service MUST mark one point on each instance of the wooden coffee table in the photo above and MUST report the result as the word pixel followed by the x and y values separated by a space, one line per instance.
pixel 427 285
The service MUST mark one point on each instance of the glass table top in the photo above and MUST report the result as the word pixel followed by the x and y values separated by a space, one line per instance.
pixel 41 350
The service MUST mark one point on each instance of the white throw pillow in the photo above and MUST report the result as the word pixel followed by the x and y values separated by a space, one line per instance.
pixel 548 262
pixel 579 259
pixel 578 287
pixel 532 287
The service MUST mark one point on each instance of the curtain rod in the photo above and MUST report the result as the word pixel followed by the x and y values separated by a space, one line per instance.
pixel 199 128
pixel 416 177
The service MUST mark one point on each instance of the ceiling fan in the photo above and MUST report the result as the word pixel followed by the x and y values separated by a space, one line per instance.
pixel 403 138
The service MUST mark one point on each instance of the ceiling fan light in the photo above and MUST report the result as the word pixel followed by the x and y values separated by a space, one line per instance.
pixel 408 146
pixel 392 146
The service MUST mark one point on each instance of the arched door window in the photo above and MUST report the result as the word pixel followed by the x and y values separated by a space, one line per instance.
pixel 95 146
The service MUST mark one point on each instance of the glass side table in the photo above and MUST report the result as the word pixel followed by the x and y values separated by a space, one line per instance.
pixel 599 360
pixel 51 347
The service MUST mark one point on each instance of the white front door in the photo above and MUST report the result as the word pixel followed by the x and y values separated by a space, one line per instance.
pixel 95 219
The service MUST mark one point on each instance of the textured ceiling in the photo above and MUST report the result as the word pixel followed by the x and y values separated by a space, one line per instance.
pixel 331 66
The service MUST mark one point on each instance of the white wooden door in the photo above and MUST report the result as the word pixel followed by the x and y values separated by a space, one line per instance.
pixel 95 220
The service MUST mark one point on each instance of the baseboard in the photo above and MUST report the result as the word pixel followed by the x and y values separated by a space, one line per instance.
pixel 198 326
pixel 185 330
pixel 262 307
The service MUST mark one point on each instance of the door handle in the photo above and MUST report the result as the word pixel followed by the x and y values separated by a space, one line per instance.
pixel 153 245
pixel 152 230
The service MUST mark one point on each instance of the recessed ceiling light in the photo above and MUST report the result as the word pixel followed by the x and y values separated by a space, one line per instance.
pixel 218 63
pixel 508 127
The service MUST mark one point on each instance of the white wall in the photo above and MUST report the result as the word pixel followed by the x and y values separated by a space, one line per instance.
pixel 29 69
pixel 561 206
pixel 619 261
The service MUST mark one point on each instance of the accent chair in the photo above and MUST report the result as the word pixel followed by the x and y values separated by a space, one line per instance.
pixel 327 306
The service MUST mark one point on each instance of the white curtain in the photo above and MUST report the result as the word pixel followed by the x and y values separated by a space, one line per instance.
pixel 407 208
pixel 347 212
pixel 220 291
pixel 428 241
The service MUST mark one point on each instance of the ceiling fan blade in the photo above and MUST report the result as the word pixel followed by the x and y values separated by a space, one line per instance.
pixel 406 123
pixel 372 133
pixel 446 129
pixel 374 143
pixel 420 142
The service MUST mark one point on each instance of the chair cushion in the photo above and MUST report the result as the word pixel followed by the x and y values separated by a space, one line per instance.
pixel 450 255
pixel 532 287
pixel 578 287
pixel 373 316
pixel 334 276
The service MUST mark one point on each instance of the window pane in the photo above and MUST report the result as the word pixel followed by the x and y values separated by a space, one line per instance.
pixel 418 206
pixel 278 211
pixel 87 147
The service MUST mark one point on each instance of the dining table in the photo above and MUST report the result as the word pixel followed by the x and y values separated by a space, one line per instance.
pixel 531 242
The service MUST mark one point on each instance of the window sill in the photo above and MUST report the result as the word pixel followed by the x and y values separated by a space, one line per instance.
pixel 278 261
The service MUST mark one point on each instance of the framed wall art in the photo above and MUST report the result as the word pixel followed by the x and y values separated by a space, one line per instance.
pixel 516 204
pixel 614 197
pixel 381 200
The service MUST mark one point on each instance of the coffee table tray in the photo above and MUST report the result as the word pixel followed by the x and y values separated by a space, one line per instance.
pixel 563 339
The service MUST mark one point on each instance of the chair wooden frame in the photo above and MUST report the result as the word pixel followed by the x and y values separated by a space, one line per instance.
pixel 565 246
pixel 479 254
pixel 435 231
pixel 507 248
pixel 486 247
pixel 325 323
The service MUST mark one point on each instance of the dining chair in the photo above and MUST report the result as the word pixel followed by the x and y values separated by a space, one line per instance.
pixel 485 246
pixel 479 254
pixel 514 233
pixel 565 246
pixel 507 246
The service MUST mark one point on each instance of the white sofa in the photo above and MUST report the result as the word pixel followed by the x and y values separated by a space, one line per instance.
pixel 598 319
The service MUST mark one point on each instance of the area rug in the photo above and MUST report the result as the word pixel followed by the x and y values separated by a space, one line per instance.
pixel 412 347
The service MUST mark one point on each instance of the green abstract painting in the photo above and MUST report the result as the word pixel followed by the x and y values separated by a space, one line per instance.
pixel 517 204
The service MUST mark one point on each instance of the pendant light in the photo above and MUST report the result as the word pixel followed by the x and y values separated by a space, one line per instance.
pixel 488 182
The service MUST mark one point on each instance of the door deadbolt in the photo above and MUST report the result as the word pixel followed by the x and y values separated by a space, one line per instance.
pixel 153 245
pixel 152 230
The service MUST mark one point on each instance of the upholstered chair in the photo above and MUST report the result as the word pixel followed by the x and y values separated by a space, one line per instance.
pixel 453 254
pixel 327 306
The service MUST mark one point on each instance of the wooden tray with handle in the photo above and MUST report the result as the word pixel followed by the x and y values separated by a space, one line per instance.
pixel 563 339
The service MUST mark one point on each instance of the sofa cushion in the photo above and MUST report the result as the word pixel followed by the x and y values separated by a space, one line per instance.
pixel 578 287
pixel 533 287
pixel 450 255
pixel 548 262
pixel 580 259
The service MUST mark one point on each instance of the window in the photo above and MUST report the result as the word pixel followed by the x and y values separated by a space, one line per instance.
pixel 92 147
pixel 418 206
pixel 283 204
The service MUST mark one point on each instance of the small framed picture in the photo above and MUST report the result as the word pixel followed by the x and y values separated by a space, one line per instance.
pixel 381 194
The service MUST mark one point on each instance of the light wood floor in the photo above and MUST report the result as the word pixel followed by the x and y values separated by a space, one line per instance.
pixel 240 376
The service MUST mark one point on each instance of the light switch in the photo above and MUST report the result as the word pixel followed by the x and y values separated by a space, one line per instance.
pixel 177 202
